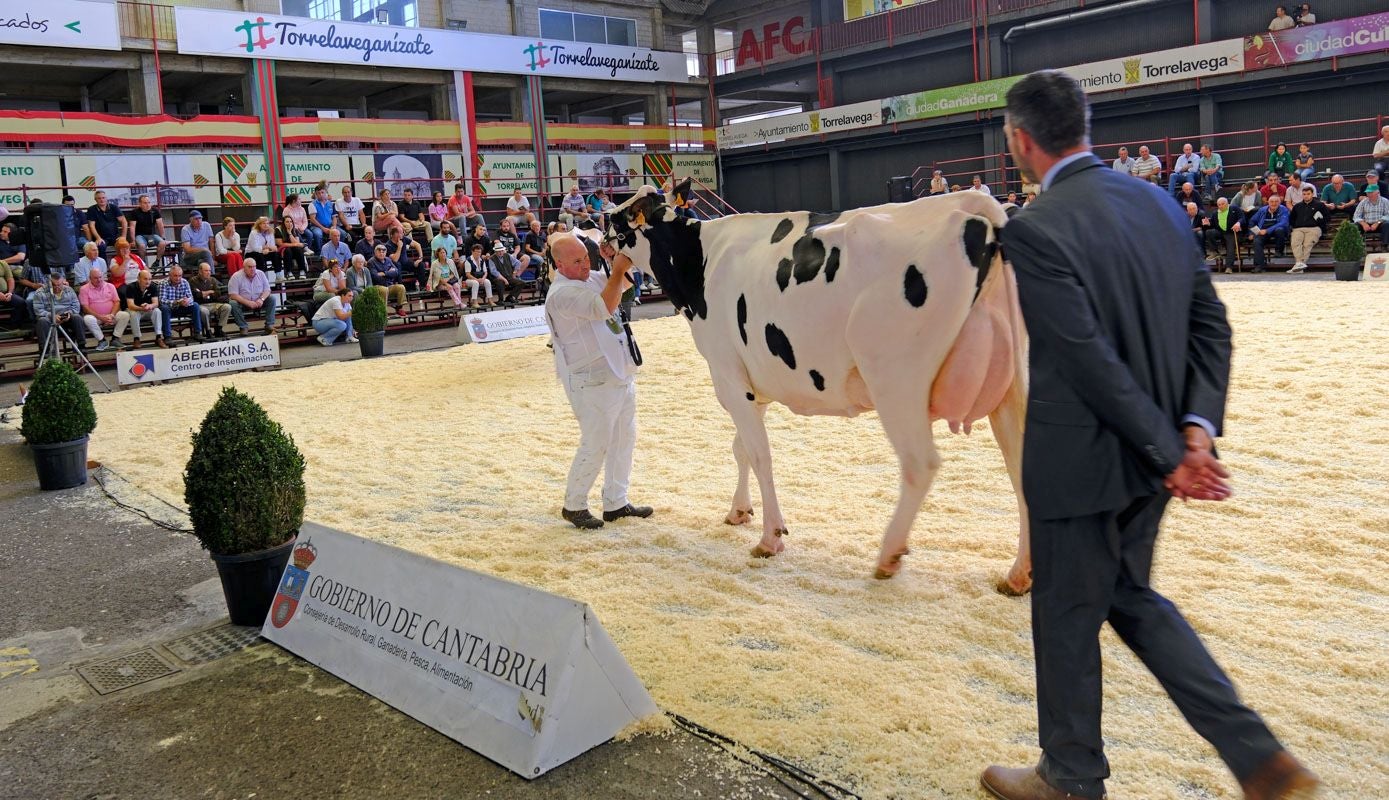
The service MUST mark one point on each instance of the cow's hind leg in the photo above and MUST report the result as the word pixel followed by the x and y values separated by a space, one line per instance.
pixel 741 513
pixel 750 419
pixel 1007 423
pixel 901 406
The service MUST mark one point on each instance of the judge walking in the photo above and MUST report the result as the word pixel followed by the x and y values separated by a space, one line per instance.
pixel 1130 362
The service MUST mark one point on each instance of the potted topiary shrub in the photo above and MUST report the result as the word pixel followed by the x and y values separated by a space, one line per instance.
pixel 1348 251
pixel 58 416
pixel 244 485
pixel 369 322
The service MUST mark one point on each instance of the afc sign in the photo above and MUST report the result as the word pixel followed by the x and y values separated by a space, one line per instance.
pixel 765 40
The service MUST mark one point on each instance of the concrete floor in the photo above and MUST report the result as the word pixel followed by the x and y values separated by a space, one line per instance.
pixel 83 580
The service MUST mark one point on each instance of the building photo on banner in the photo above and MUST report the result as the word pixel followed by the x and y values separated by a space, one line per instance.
pixel 238 34
pixel 176 179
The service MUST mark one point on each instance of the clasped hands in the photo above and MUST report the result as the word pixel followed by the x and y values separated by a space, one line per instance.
pixel 1200 476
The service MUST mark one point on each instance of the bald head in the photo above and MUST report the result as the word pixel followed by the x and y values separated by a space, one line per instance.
pixel 571 257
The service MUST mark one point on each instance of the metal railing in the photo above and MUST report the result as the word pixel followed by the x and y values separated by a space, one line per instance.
pixel 146 21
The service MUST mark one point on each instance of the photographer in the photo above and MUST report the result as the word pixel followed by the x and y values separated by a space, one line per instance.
pixel 56 302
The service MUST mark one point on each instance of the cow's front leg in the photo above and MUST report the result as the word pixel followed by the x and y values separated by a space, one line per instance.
pixel 749 417
pixel 741 513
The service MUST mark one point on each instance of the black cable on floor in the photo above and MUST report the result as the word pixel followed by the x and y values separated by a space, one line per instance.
pixel 820 786
pixel 96 474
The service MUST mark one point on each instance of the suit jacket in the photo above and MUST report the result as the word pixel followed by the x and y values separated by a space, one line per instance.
pixel 1127 336
pixel 1235 217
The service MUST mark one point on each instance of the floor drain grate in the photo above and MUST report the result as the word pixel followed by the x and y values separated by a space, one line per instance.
pixel 212 644
pixel 123 672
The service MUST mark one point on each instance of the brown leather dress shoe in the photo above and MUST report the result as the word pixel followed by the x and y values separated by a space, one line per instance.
pixel 1280 778
pixel 1024 783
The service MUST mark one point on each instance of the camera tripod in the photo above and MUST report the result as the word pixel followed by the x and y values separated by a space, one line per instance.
pixel 52 342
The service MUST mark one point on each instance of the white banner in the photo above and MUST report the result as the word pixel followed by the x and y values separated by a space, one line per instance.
pixel 700 166
pixel 60 23
pixel 494 326
pixel 241 34
pixel 1165 66
pixel 808 123
pixel 20 172
pixel 503 173
pixel 526 678
pixel 198 359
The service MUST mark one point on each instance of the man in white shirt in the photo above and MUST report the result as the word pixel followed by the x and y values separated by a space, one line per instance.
pixel 519 209
pixel 349 210
pixel 1185 170
pixel 1146 166
pixel 596 363
pixel 1124 163
pixel 1381 151
pixel 978 185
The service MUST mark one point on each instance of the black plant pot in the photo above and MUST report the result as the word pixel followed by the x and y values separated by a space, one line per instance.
pixel 250 580
pixel 62 465
pixel 372 344
pixel 1347 270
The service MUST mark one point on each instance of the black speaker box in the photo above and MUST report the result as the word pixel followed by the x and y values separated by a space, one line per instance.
pixel 52 235
pixel 899 189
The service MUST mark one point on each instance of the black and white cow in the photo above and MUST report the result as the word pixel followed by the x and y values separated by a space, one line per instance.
pixel 906 308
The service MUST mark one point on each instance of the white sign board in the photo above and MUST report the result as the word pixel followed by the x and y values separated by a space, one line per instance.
pixel 60 23
pixel 20 172
pixel 807 123
pixel 246 34
pixel 1377 267
pixel 494 326
pixel 134 367
pixel 1164 66
pixel 526 678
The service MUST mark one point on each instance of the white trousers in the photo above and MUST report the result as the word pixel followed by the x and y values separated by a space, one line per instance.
pixel 473 283
pixel 607 412
pixel 94 325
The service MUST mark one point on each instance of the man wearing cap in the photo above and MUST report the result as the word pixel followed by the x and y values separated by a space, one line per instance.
pixel 1371 212
pixel 1373 178
pixel 197 238
pixel 505 270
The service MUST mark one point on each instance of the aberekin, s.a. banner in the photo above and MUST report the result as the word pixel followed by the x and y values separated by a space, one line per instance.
pixel 248 34
pixel 1343 37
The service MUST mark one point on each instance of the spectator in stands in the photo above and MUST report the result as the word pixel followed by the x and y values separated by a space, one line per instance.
pixel 147 225
pixel 79 222
pixel 1293 194
pixel 249 291
pixel 226 246
pixel 105 221
pixel 1280 161
pixel 260 245
pixel 359 277
pixel 597 202
pixel 443 275
pixel 976 184
pixel 461 211
pixel 1373 178
pixel 11 297
pixel 323 217
pixel 1370 214
pixel 1124 163
pixel 510 241
pixel 88 262
pixel 1212 169
pixel 1028 198
pixel 125 266
pixel 939 185
pixel 1184 169
pixel 334 248
pixel 334 318
pixel 1307 219
pixel 1305 16
pixel 1188 194
pixel 11 253
pixel 1222 227
pixel 211 297
pixel 1198 223
pixel 366 246
pixel 1304 163
pixel 142 301
pixel 475 271
pixel 447 240
pixel 349 210
pixel 385 275
pixel 505 271
pixel 1146 166
pixel 1339 195
pixel 478 237
pixel 55 303
pixel 1249 198
pixel 414 217
pixel 518 210
pixel 572 210
pixel 533 247
pixel 409 256
pixel 438 209
pixel 298 224
pixel 1269 226
pixel 176 300
pixel 293 252
pixel 101 307
pixel 1012 198
pixel 333 278
pixel 1281 21
pixel 1381 151
pixel 1272 185
pixel 197 242
pixel 385 214
pixel 954 187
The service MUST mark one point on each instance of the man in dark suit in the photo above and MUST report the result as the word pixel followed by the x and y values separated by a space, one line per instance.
pixel 1223 225
pixel 1130 358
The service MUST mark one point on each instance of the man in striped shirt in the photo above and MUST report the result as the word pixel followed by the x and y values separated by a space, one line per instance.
pixel 176 300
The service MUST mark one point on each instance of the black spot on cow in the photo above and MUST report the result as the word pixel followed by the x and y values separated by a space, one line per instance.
pixel 783 274
pixel 807 256
pixel 817 379
pixel 780 346
pixel 821 218
pixel 783 229
pixel 743 318
pixel 914 286
pixel 750 397
pixel 978 249
pixel 831 265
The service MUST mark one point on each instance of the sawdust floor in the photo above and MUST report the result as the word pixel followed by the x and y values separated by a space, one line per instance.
pixel 904 688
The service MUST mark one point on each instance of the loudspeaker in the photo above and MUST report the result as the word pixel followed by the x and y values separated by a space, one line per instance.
pixel 899 189
pixel 52 235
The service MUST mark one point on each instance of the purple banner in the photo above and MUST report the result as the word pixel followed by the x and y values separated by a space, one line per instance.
pixel 1342 37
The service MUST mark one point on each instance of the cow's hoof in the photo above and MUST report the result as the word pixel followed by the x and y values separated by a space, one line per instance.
pixel 891 568
pixel 1008 586
pixel 764 550
pixel 738 516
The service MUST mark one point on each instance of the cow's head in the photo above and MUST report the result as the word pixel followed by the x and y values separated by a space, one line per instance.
pixel 663 244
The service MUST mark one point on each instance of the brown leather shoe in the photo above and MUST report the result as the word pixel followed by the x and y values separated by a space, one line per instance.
pixel 1280 778
pixel 1024 783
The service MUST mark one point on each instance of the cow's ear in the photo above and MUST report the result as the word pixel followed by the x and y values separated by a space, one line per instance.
pixel 681 192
